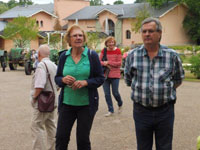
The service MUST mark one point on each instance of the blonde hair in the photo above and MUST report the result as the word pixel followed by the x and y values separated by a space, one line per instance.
pixel 67 35
pixel 109 39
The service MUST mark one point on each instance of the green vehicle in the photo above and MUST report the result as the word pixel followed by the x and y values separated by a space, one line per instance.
pixel 16 57
pixel 21 57
pixel 30 60
pixel 3 59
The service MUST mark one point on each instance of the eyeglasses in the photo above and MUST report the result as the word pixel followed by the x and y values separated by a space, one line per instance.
pixel 150 31
pixel 77 35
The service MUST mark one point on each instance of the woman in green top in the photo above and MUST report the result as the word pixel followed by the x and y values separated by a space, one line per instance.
pixel 79 75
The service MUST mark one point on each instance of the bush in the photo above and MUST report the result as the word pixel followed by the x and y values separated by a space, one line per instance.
pixel 195 65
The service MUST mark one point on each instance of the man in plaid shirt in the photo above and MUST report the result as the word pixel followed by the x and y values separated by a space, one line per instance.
pixel 154 72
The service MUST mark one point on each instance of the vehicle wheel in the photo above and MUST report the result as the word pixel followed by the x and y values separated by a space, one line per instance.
pixel 3 65
pixel 21 64
pixel 13 66
pixel 28 68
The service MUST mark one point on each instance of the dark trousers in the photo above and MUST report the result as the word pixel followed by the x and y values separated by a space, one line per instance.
pixel 158 122
pixel 67 116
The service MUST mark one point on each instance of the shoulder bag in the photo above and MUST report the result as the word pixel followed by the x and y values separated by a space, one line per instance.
pixel 106 70
pixel 46 99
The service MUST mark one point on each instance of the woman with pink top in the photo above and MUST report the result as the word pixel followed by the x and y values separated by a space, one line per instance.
pixel 111 58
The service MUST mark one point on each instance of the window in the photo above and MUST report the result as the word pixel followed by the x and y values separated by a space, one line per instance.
pixel 128 34
pixel 41 23
pixel 37 22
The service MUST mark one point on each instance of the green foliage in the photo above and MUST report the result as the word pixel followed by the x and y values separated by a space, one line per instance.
pixel 191 23
pixel 94 39
pixel 3 8
pixel 12 3
pixel 23 2
pixel 185 47
pixel 96 2
pixel 194 49
pixel 118 2
pixel 140 1
pixel 195 65
pixel 21 29
pixel 54 40
pixel 54 55
pixel 125 49
pixel 198 143
pixel 157 3
pixel 141 14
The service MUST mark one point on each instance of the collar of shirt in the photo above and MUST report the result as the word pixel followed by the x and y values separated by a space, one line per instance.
pixel 160 52
pixel 46 58
pixel 84 52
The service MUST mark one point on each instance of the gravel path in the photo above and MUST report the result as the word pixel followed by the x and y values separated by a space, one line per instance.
pixel 112 133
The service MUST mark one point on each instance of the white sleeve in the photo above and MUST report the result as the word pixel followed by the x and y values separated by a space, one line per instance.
pixel 40 78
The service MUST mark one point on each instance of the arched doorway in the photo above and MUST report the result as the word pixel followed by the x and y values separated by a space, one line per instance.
pixel 111 27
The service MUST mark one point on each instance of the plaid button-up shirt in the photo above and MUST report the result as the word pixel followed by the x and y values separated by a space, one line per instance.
pixel 153 82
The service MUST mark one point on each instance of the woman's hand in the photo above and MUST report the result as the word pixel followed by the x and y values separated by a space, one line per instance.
pixel 105 63
pixel 79 84
pixel 69 80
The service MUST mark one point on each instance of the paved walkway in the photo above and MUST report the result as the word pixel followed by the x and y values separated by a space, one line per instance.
pixel 113 133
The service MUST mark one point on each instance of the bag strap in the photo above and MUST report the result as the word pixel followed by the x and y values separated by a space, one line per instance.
pixel 49 76
pixel 104 58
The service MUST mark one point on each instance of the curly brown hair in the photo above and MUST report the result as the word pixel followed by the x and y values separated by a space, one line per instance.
pixel 67 35
pixel 109 39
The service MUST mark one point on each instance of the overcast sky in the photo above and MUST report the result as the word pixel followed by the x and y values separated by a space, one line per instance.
pixel 51 1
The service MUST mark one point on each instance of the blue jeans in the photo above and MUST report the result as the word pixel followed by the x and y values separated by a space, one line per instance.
pixel 157 121
pixel 114 82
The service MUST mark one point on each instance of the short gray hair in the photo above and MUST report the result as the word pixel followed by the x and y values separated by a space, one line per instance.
pixel 151 19
pixel 44 50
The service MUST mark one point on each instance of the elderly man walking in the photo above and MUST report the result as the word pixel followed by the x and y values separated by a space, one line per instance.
pixel 43 120
pixel 154 72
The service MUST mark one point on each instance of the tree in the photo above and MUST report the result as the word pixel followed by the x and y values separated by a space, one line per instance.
pixel 118 2
pixel 191 23
pixel 140 1
pixel 55 40
pixel 159 3
pixel 57 26
pixel 23 2
pixel 141 14
pixel 12 3
pixel 96 2
pixel 21 30
pixel 94 38
pixel 3 7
